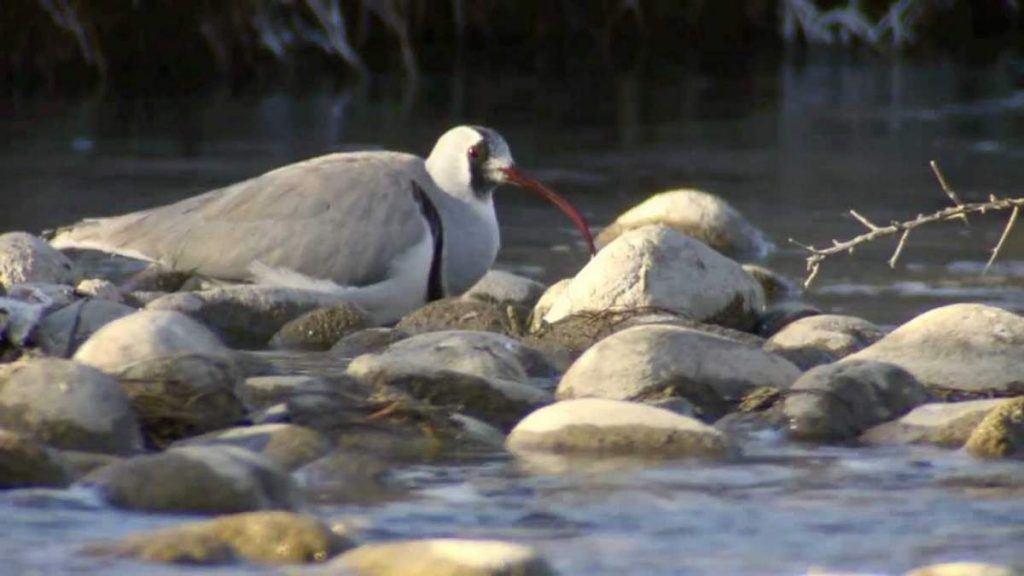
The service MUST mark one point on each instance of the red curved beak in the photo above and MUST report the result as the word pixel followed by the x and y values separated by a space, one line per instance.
pixel 514 176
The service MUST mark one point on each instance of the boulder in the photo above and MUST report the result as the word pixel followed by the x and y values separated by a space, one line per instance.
pixel 947 424
pixel 824 338
pixel 289 445
pixel 655 267
pixel 546 300
pixel 647 363
pixel 246 316
pixel 460 314
pixel 482 354
pixel 62 332
pixel 67 405
pixel 698 214
pixel 839 401
pixel 27 258
pixel 320 329
pixel 1001 433
pixel 26 464
pixel 180 378
pixel 958 350
pixel 500 287
pixel 273 537
pixel 599 427
pixel 441 557
pixel 367 341
pixel 196 479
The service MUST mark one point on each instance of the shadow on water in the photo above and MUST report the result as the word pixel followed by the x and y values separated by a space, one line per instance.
pixel 792 147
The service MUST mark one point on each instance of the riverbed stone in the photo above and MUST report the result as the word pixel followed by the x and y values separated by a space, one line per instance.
pixel 501 287
pixel 246 316
pixel 464 314
pixel 197 479
pixel 28 258
pixel 958 350
pixel 320 329
pixel 946 424
pixel 546 301
pixel 180 378
pixel 25 463
pixel 271 537
pixel 1001 433
pixel 839 401
pixel 368 341
pixel 62 332
pixel 823 338
pixel 442 557
pixel 597 426
pixel 698 214
pixel 69 405
pixel 964 569
pixel 482 354
pixel 648 363
pixel 657 267
pixel 289 445
pixel 261 392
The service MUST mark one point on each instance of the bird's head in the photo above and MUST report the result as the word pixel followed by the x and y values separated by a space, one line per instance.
pixel 471 161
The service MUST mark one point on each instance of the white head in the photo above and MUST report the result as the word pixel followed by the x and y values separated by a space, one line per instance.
pixel 469 162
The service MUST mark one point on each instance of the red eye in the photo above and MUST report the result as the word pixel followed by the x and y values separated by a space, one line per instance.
pixel 474 152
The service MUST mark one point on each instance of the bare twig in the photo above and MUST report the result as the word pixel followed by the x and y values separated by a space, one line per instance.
pixel 1002 239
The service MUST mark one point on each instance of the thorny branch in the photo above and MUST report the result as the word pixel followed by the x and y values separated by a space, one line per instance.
pixel 959 211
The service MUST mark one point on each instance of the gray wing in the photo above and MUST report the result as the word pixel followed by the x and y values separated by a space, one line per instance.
pixel 342 217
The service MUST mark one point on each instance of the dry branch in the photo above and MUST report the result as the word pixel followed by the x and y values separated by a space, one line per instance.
pixel 959 211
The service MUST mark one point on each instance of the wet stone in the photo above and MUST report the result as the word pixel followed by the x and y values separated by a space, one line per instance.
pixel 459 314
pixel 500 287
pixel 27 258
pixel 289 445
pixel 822 339
pixel 320 329
pixel 26 464
pixel 947 424
pixel 442 557
pixel 367 341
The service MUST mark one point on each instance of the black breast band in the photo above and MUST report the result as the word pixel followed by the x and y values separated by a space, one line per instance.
pixel 435 282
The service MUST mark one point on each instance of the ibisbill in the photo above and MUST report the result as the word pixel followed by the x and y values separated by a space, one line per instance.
pixel 388 231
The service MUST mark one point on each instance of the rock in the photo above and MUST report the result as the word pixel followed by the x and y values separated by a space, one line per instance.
pixel 459 314
pixel 964 569
pixel 261 537
pixel 26 464
pixel 61 333
pixel 27 258
pixel 368 341
pixel 839 401
pixel 697 214
pixel 566 339
pixel 821 339
pixel 655 267
pixel 546 301
pixel 1001 433
pixel 595 426
pixel 500 287
pixel 289 445
pixel 246 316
pixel 482 354
pixel 351 476
pixel 320 329
pixel 197 479
pixel 80 464
pixel 776 287
pixel 261 392
pixel 67 405
pixel 960 349
pixel 782 314
pixel 99 289
pixel 647 363
pixel 442 557
pixel 51 296
pixel 946 424
pixel 180 378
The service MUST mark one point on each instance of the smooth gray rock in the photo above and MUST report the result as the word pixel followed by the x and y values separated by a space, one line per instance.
pixel 320 329
pixel 28 258
pixel 546 301
pixel 698 214
pixel 197 479
pixel 648 363
pixel 500 287
pixel 656 267
pixel 440 557
pixel 25 463
pixel 289 445
pixel 960 349
pixel 947 424
pixel 825 336
pixel 67 405
pixel 62 332
pixel 840 401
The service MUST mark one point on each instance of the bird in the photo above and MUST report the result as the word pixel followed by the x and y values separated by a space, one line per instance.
pixel 387 231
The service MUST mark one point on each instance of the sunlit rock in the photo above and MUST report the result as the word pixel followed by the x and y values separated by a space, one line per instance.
pixel 654 362
pixel 500 287
pixel 442 557
pixel 824 338
pixel 546 301
pixel 839 401
pixel 321 328
pixel 947 424
pixel 964 569
pixel 657 267
pixel 1001 433
pixel 69 405
pixel 62 332
pixel 27 258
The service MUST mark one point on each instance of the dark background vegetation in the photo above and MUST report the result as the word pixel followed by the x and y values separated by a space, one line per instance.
pixel 182 45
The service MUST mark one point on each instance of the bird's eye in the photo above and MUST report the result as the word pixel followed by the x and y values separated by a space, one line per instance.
pixel 474 153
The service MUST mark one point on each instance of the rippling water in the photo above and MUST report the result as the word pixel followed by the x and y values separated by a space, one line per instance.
pixel 792 147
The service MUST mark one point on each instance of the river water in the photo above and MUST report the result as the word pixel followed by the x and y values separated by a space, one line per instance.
pixel 793 146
